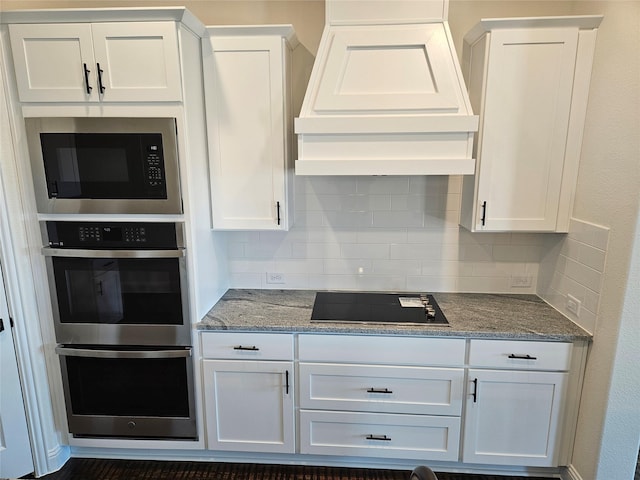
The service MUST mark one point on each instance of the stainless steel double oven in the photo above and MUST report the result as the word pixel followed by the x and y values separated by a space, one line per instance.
pixel 118 288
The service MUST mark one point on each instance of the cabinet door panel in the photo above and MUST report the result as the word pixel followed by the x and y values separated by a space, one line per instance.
pixel 525 124
pixel 246 102
pixel 49 62
pixel 513 417
pixel 391 389
pixel 139 61
pixel 249 406
pixel 379 435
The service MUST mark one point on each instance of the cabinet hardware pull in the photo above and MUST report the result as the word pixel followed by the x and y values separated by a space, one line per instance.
pixel 484 213
pixel 379 437
pixel 1 325
pixel 278 211
pixel 475 390
pixel 286 379
pixel 379 390
pixel 86 79
pixel 253 348
pixel 522 357
pixel 100 84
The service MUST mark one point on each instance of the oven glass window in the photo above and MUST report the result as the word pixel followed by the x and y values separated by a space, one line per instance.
pixel 118 291
pixel 150 387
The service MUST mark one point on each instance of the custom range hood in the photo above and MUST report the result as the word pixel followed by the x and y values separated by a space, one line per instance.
pixel 386 94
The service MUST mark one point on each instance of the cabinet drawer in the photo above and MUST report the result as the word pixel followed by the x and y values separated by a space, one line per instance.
pixel 387 389
pixel 381 350
pixel 248 346
pixel 379 435
pixel 520 355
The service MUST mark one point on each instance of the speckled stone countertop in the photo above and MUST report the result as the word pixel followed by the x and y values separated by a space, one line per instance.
pixel 470 315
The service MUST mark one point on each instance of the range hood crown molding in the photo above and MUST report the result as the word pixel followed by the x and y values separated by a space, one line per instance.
pixel 386 94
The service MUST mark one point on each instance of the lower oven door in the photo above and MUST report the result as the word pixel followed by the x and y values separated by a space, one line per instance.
pixel 129 392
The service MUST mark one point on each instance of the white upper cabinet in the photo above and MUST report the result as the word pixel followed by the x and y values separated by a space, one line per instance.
pixel 93 62
pixel 249 122
pixel 529 81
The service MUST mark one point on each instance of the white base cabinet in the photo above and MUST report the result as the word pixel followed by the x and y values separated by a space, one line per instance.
pixel 528 79
pixel 248 398
pixel 380 398
pixel 502 403
pixel 513 410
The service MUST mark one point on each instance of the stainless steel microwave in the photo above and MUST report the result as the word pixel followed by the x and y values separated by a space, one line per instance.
pixel 104 165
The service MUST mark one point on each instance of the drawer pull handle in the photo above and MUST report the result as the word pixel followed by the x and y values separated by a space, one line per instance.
pixel 522 357
pixel 382 438
pixel 286 376
pixel 251 349
pixel 379 390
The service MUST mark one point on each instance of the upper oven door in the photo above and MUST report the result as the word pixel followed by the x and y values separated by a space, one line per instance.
pixel 115 297
pixel 104 165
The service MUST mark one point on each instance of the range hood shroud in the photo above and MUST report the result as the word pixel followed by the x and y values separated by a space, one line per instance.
pixel 386 94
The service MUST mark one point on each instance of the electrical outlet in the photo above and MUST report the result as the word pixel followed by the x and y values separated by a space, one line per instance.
pixel 521 281
pixel 275 277
pixel 573 305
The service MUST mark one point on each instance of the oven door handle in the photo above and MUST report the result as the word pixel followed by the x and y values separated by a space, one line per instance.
pixel 72 252
pixel 87 352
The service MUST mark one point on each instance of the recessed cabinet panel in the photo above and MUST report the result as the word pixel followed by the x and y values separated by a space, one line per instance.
pixel 513 418
pixel 246 86
pixel 531 95
pixel 379 435
pixel 97 62
pixel 387 68
pixel 528 80
pixel 49 62
pixel 139 61
pixel 390 389
pixel 249 405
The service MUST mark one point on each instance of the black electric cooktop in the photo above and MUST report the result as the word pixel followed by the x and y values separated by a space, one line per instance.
pixel 390 308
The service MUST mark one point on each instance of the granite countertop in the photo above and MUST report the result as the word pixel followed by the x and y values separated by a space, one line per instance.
pixel 471 315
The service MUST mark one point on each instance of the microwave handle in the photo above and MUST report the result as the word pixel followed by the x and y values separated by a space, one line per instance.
pixel 72 252
pixel 87 352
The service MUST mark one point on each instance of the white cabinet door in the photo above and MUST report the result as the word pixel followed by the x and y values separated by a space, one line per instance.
pixel 512 417
pixel 525 122
pixel 249 406
pixel 249 124
pixel 111 62
pixel 15 451
pixel 137 61
pixel 54 62
pixel 528 79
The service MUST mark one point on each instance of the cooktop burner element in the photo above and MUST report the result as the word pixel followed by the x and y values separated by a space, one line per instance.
pixel 391 308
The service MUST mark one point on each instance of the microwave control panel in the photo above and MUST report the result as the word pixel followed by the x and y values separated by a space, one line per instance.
pixel 114 235
pixel 155 165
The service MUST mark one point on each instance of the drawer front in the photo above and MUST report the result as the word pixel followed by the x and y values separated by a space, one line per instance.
pixel 381 350
pixel 379 435
pixel 520 355
pixel 247 346
pixel 387 389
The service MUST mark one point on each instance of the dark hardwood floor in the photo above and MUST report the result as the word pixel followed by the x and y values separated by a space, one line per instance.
pixel 95 469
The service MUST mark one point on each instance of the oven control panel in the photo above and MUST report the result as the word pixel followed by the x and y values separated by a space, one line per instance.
pixel 155 165
pixel 114 235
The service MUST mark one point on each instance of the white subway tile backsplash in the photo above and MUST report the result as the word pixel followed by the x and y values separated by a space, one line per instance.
pixel 575 265
pixel 400 233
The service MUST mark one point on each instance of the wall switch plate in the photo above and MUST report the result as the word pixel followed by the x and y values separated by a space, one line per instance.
pixel 521 281
pixel 275 277
pixel 573 305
